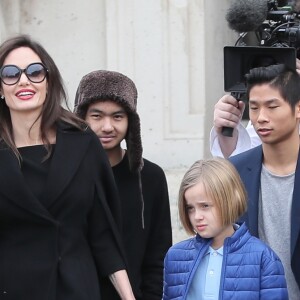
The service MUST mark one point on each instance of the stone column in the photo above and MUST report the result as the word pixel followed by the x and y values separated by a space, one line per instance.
pixel 9 18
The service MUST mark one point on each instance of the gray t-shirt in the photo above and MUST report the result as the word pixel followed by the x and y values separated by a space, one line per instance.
pixel 274 220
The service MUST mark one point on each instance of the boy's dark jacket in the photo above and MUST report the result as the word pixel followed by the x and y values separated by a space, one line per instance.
pixel 249 166
pixel 145 247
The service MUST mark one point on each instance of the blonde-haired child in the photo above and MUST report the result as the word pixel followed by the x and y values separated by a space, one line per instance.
pixel 223 260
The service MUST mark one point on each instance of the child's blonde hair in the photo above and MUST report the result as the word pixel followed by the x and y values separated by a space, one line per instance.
pixel 222 183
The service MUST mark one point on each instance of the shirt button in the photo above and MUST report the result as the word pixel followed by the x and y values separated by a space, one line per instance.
pixel 211 272
pixel 215 253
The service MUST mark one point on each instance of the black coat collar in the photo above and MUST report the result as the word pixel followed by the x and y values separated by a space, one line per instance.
pixel 71 146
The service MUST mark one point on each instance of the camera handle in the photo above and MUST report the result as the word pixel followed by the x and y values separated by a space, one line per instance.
pixel 228 131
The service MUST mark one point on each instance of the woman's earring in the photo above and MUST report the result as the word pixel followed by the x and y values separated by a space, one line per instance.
pixel 2 97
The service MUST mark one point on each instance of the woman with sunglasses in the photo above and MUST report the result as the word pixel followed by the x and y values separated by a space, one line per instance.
pixel 58 202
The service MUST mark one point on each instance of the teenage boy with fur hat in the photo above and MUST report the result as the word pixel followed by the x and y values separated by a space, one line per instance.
pixel 107 101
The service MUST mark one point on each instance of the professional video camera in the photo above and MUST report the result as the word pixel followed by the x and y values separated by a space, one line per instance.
pixel 269 33
pixel 281 27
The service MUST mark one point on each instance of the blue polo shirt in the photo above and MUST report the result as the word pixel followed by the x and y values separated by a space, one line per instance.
pixel 206 282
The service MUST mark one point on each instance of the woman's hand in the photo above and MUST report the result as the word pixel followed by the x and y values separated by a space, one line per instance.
pixel 122 285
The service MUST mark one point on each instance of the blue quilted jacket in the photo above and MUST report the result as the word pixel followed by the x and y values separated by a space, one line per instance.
pixel 250 270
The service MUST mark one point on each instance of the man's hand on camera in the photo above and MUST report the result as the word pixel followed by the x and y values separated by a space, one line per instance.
pixel 228 112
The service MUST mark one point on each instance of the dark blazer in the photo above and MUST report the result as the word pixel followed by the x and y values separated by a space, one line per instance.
pixel 59 251
pixel 249 166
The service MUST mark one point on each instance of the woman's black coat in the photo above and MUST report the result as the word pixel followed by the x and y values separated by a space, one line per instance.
pixel 59 251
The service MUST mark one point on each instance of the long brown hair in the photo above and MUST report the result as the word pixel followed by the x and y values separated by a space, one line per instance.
pixel 53 110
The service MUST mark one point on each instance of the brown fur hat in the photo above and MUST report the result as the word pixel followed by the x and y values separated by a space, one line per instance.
pixel 104 85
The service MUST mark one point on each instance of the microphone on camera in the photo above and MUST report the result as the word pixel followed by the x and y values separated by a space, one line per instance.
pixel 247 15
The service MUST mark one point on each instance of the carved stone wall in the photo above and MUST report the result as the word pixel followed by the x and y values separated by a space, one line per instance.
pixel 172 49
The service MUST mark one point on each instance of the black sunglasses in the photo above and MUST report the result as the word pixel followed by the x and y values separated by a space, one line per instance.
pixel 11 74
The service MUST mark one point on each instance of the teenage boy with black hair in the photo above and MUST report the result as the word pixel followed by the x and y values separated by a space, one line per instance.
pixel 271 171
pixel 107 100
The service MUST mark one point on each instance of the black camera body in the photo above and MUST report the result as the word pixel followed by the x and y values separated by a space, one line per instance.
pixel 239 60
pixel 281 27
